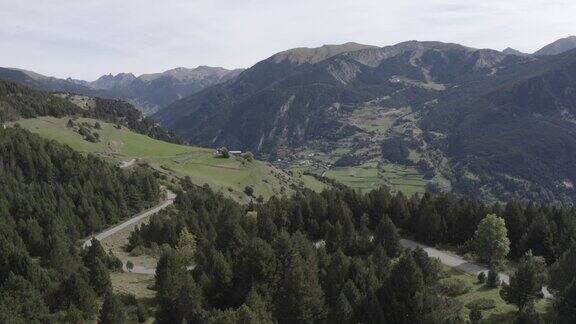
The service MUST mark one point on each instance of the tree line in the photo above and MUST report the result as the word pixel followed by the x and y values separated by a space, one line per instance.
pixel 50 197
pixel 335 256
pixel 17 101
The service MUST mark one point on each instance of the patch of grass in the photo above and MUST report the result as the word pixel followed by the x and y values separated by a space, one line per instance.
pixel 133 283
pixel 501 312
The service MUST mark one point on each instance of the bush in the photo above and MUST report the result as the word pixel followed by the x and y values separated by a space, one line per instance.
pixel 481 304
pixel 249 191
pixel 475 316
pixel 248 156
pixel 481 277
pixel 142 312
pixel 453 287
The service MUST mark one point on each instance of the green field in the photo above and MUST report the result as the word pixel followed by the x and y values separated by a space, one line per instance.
pixel 502 313
pixel 366 177
pixel 230 176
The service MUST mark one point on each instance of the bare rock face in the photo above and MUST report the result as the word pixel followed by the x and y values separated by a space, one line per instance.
pixel 110 81
pixel 558 47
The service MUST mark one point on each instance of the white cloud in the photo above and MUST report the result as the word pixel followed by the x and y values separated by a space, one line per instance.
pixel 85 39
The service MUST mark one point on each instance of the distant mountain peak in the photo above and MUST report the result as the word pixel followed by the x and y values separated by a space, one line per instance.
pixel 110 81
pixel 560 46
pixel 513 51
pixel 184 74
pixel 303 55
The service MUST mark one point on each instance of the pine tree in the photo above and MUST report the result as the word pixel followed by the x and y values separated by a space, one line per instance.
pixel 371 311
pixel 112 311
pixel 299 297
pixel 526 282
pixel 100 278
pixel 403 294
pixel 566 304
pixel 430 267
pixel 186 246
pixel 342 311
pixel 387 235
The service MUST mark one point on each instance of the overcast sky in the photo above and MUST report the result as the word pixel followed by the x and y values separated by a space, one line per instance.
pixel 87 38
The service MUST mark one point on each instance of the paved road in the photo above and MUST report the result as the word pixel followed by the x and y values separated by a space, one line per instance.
pixel 170 196
pixel 456 262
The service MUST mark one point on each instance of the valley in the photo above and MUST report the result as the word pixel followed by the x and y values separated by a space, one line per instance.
pixel 419 182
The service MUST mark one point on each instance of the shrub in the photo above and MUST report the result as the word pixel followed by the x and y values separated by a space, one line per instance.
pixel 129 265
pixel 249 191
pixel 475 316
pixel 481 304
pixel 248 156
pixel 453 287
pixel 481 277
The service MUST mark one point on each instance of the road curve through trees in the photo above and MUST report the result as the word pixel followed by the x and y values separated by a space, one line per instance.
pixel 456 262
pixel 169 200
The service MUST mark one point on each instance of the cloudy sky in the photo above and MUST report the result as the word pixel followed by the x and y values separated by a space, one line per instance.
pixel 88 38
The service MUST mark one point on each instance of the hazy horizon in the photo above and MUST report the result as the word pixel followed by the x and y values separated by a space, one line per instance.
pixel 85 40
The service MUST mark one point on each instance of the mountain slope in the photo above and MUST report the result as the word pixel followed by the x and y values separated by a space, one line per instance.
pixel 17 102
pixel 558 47
pixel 518 130
pixel 283 103
pixel 411 115
pixel 93 125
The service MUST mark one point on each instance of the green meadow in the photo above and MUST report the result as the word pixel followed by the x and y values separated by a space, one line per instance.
pixel 230 176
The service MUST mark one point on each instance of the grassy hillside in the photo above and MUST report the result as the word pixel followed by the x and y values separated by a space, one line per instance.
pixel 231 176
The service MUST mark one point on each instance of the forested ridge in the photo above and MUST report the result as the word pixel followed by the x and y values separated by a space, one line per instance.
pixel 335 256
pixel 20 102
pixel 50 197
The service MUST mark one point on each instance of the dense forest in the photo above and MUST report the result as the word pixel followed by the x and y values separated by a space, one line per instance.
pixel 20 102
pixel 335 256
pixel 50 197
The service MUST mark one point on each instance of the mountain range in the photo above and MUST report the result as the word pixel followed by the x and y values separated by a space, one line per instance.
pixel 414 116
pixel 148 92
pixel 480 122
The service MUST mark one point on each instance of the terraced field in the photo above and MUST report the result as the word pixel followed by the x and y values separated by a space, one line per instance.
pixel 231 176
pixel 367 177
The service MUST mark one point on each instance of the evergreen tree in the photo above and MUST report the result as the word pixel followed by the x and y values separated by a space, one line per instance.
pixel 404 293
pixel 112 311
pixel 566 304
pixel 19 300
pixel 342 311
pixel 186 246
pixel 299 297
pixel 387 235
pixel 526 282
pixel 100 278
pixel 430 267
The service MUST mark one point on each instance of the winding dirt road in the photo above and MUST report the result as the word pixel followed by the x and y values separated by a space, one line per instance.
pixel 136 219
